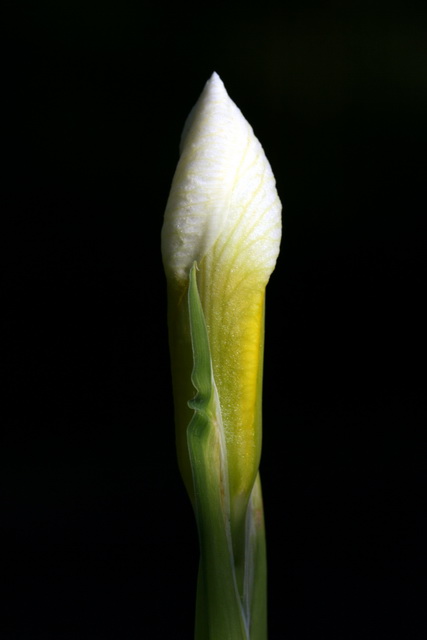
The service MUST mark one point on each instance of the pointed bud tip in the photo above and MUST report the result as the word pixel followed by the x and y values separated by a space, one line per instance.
pixel 214 89
pixel 215 80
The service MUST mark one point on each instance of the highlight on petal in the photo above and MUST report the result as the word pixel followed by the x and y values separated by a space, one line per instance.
pixel 223 189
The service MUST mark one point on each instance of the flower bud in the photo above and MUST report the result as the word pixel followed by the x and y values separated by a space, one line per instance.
pixel 224 213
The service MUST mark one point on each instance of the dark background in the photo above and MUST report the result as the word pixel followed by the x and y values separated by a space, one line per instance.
pixel 100 541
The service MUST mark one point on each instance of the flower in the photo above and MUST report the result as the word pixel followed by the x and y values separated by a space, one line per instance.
pixel 223 213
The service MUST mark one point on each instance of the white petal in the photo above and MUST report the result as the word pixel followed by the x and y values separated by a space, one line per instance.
pixel 223 190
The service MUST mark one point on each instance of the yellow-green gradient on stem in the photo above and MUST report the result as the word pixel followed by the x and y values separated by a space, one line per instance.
pixel 223 213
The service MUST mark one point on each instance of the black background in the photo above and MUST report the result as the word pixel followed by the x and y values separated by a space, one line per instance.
pixel 100 541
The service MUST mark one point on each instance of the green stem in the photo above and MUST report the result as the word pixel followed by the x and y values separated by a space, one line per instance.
pixel 255 591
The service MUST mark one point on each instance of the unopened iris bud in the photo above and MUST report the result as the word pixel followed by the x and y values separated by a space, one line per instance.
pixel 223 213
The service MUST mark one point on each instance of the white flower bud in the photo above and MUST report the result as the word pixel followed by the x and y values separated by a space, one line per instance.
pixel 223 190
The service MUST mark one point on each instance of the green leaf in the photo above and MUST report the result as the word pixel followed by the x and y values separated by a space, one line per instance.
pixel 219 609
